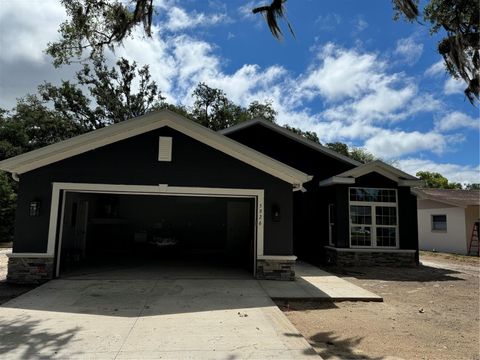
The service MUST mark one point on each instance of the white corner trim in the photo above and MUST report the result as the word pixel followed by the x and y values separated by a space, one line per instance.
pixel 277 257
pixel 337 180
pixel 376 250
pixel 29 255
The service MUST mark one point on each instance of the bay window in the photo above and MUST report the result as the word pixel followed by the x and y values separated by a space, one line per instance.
pixel 373 217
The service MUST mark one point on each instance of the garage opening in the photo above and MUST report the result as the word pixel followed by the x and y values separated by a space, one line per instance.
pixel 106 229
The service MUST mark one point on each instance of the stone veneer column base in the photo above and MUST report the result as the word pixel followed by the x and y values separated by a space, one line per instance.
pixel 366 257
pixel 269 268
pixel 29 269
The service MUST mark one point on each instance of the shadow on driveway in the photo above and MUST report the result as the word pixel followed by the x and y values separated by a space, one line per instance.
pixel 26 338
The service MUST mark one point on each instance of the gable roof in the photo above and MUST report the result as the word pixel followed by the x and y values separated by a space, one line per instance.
pixel 461 198
pixel 390 172
pixel 290 134
pixel 142 124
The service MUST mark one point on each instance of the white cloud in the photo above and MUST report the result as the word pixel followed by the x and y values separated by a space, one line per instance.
pixel 409 49
pixel 344 74
pixel 359 87
pixel 360 24
pixel 390 144
pixel 26 27
pixel 328 22
pixel 179 19
pixel 454 86
pixel 456 120
pixel 361 95
pixel 436 69
pixel 245 10
pixel 453 172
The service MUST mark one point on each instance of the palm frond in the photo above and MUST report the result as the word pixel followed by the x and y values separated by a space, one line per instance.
pixel 272 13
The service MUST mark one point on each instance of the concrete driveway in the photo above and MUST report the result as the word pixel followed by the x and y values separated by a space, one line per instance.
pixel 117 315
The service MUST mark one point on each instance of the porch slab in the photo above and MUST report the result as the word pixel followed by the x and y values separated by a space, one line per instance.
pixel 314 284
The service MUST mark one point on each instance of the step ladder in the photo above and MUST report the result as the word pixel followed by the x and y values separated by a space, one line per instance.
pixel 473 247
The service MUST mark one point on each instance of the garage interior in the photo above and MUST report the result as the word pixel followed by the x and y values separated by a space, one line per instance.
pixel 100 229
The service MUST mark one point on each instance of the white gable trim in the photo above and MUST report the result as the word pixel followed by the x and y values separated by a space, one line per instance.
pixel 380 167
pixel 291 135
pixel 113 133
pixel 394 174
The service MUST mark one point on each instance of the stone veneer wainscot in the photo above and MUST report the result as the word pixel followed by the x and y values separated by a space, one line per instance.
pixel 276 269
pixel 29 268
pixel 370 257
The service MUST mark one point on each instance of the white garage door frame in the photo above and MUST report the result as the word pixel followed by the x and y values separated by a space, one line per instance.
pixel 58 203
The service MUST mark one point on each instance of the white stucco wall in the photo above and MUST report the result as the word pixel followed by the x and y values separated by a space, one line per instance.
pixel 453 240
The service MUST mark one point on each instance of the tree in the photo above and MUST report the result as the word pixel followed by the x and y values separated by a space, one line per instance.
pixel 358 154
pixel 13 137
pixel 310 135
pixel 339 147
pixel 214 110
pixel 258 110
pixel 32 125
pixel 436 180
pixel 474 186
pixel 460 48
pixel 111 90
pixel 7 207
pixel 93 25
pixel 361 155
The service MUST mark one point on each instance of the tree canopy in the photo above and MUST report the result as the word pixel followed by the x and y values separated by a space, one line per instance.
pixel 358 154
pixel 436 180
pixel 93 25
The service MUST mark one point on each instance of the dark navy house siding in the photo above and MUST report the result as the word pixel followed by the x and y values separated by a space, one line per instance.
pixel 311 227
pixel 135 161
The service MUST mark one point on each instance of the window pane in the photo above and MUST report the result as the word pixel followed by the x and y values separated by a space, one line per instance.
pixel 386 236
pixel 361 236
pixel 386 215
pixel 361 214
pixel 439 222
pixel 373 195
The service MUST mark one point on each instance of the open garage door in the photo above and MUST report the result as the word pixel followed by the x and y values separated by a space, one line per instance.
pixel 120 229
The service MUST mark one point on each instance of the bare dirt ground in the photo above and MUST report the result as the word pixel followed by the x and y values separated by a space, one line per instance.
pixel 9 291
pixel 430 312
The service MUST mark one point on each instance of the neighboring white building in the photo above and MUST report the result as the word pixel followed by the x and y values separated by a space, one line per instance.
pixel 446 219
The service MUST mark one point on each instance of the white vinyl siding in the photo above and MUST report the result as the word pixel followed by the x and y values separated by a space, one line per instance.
pixel 454 239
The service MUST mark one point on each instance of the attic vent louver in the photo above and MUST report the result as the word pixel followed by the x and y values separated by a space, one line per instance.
pixel 164 148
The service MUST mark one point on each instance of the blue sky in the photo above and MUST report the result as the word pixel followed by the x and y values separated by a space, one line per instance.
pixel 352 74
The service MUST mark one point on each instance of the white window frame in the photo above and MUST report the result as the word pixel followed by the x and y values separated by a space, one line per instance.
pixel 331 208
pixel 437 230
pixel 373 225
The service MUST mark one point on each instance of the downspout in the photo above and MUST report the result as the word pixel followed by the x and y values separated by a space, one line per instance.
pixel 299 187
pixel 15 177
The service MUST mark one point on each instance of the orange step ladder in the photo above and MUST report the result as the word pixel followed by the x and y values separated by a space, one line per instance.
pixel 473 247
